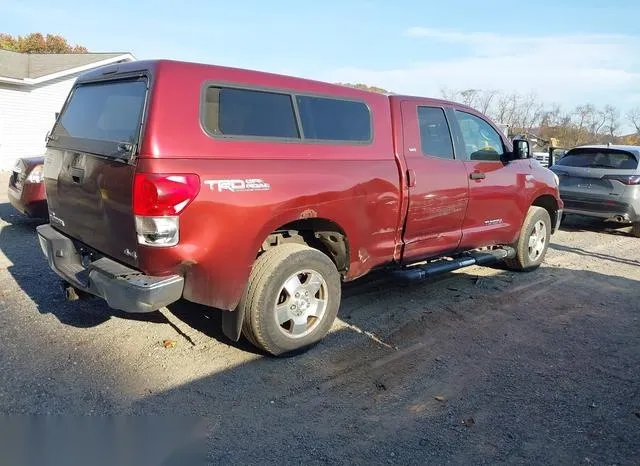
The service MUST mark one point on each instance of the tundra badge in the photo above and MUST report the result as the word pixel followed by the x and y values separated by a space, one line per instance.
pixel 494 221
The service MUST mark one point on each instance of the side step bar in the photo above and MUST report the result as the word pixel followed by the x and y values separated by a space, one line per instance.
pixel 416 273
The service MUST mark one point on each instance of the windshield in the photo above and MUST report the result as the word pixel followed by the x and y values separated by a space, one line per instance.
pixel 107 112
pixel 599 158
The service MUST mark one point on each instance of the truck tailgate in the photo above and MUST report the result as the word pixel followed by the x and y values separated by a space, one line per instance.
pixel 90 199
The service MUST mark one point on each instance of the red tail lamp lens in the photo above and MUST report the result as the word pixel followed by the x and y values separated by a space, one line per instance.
pixel 156 195
pixel 625 179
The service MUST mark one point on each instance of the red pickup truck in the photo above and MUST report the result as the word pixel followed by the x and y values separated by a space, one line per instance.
pixel 259 194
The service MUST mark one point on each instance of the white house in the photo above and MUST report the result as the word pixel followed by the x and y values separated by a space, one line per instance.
pixel 33 87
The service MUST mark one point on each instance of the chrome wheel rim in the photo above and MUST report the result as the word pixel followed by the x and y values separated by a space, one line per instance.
pixel 537 240
pixel 301 303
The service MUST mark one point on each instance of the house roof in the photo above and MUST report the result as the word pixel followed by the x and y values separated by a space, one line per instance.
pixel 37 67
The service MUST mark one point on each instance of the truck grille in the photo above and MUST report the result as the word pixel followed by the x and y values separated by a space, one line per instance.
pixel 543 159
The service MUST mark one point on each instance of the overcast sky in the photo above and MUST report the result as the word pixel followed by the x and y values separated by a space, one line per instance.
pixel 567 51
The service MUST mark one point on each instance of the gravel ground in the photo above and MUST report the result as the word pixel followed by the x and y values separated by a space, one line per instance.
pixel 480 366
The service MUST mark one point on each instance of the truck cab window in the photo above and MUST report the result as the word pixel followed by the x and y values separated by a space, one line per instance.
pixel 435 137
pixel 481 141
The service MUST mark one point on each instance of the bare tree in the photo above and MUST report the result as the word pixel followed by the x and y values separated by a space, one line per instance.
pixel 584 115
pixel 531 111
pixel 366 87
pixel 611 121
pixel 479 99
pixel 598 122
pixel 585 119
pixel 502 109
pixel 486 99
pixel 447 94
pixel 552 116
pixel 528 113
pixel 470 97
pixel 634 117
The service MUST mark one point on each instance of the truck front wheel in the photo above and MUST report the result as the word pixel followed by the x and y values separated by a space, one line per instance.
pixel 533 242
pixel 291 300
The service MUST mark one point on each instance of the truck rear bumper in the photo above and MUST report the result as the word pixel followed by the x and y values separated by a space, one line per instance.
pixel 120 286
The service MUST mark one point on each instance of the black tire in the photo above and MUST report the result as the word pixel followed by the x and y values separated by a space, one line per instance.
pixel 266 288
pixel 524 260
pixel 635 229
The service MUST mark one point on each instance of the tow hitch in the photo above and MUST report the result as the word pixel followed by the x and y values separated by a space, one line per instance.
pixel 71 293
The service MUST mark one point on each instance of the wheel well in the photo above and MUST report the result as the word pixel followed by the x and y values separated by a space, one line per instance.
pixel 318 233
pixel 549 203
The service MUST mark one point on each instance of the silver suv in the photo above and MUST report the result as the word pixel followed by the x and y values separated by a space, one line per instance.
pixel 601 181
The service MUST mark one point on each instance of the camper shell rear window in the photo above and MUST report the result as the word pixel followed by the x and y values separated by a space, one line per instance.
pixel 102 117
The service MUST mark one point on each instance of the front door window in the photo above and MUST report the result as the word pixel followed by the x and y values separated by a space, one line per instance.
pixel 481 141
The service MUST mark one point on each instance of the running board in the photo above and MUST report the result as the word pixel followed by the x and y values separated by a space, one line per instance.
pixel 416 273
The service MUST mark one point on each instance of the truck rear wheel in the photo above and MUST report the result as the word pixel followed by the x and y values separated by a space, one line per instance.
pixel 533 242
pixel 292 299
pixel 635 229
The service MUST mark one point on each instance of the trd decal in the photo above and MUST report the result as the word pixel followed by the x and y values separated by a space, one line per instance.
pixel 249 184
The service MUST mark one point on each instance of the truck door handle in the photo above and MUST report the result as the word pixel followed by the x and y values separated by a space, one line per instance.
pixel 477 176
pixel 411 177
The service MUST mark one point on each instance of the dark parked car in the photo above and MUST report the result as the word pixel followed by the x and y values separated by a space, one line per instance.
pixel 603 182
pixel 26 187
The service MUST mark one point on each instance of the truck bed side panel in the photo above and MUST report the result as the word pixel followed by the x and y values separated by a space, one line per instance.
pixel 222 231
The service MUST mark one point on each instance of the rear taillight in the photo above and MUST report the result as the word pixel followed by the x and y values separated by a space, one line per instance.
pixel 159 232
pixel 36 175
pixel 625 179
pixel 157 201
pixel 159 195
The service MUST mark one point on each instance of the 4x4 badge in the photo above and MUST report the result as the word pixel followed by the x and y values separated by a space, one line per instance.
pixel 54 219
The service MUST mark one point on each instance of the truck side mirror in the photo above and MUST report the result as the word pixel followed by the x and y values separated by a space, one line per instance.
pixel 521 149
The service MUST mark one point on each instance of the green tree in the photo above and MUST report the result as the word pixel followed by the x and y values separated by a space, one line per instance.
pixel 38 43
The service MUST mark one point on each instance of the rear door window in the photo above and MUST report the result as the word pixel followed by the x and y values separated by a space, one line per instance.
pixel 435 137
pixel 599 158
pixel 327 119
pixel 249 113
pixel 99 115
